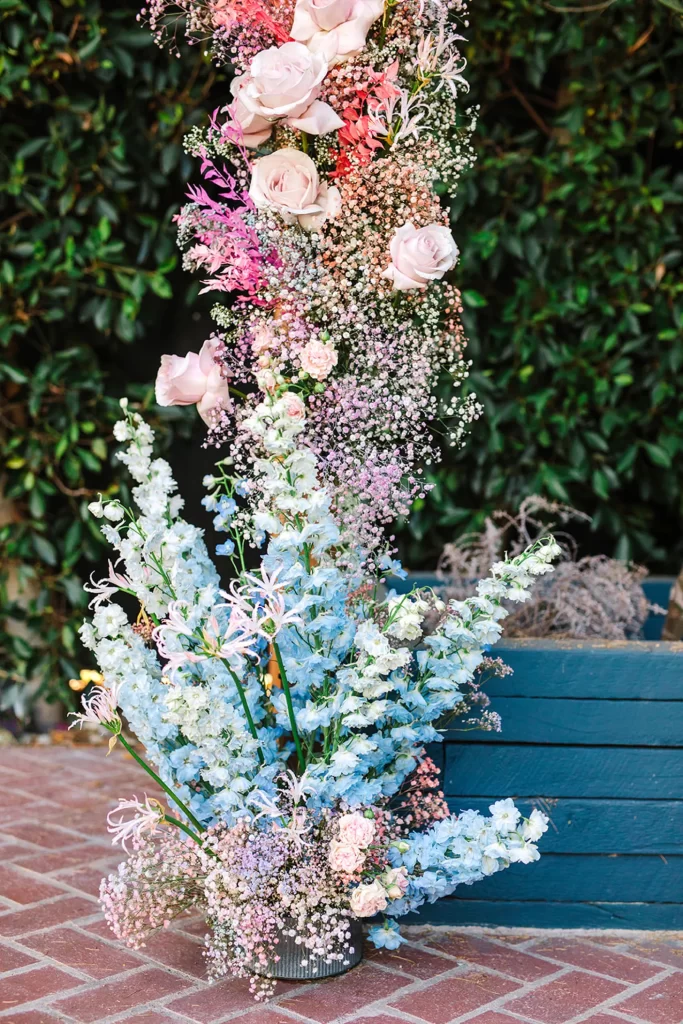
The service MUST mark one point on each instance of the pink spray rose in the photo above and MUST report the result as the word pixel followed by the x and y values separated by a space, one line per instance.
pixel 356 829
pixel 395 882
pixel 292 406
pixel 194 379
pixel 318 359
pixel 345 857
pixel 335 28
pixel 367 900
pixel 420 255
pixel 282 84
pixel 287 181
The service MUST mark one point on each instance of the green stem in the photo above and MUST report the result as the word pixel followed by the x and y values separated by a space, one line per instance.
pixel 386 17
pixel 169 792
pixel 247 710
pixel 304 142
pixel 290 707
pixel 188 831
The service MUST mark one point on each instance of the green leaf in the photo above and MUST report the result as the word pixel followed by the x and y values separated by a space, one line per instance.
pixel 658 455
pixel 474 299
pixel 160 286
pixel 44 549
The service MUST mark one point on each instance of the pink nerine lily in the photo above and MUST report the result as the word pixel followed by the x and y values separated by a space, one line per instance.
pixel 100 708
pixel 147 818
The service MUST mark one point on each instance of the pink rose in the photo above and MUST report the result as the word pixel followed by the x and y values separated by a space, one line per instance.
pixel 287 181
pixel 244 126
pixel 335 28
pixel 282 84
pixel 194 379
pixel 345 858
pixel 368 900
pixel 318 359
pixel 356 829
pixel 420 255
pixel 395 881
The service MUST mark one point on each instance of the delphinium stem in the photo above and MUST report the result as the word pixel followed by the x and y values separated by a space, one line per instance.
pixel 169 792
pixel 290 707
pixel 247 711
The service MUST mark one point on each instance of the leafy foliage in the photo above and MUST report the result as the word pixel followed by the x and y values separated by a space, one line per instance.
pixel 91 124
pixel 570 229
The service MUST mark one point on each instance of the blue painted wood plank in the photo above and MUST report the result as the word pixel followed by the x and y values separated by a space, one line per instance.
pixel 657 591
pixel 602 826
pixel 558 720
pixel 572 878
pixel 513 914
pixel 527 771
pixel 621 670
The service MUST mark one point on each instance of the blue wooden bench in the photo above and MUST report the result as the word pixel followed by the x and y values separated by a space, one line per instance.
pixel 593 735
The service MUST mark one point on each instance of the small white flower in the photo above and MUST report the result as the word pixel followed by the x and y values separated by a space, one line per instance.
pixel 113 511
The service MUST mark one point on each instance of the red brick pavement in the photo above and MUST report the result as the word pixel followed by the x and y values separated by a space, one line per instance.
pixel 58 961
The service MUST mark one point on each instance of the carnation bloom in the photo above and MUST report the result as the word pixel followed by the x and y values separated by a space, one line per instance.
pixel 287 181
pixel 357 829
pixel 336 28
pixel 318 359
pixel 282 84
pixel 345 857
pixel 420 255
pixel 194 379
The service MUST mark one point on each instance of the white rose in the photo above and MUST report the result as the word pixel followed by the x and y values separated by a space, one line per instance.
pixel 420 255
pixel 368 900
pixel 287 181
pixel 283 83
pixel 318 359
pixel 336 28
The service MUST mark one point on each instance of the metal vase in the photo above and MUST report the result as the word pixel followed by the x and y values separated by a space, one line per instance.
pixel 289 965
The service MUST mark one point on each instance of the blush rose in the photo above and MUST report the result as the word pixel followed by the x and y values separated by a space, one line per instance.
pixel 335 28
pixel 420 255
pixel 194 379
pixel 287 181
pixel 282 84
pixel 368 899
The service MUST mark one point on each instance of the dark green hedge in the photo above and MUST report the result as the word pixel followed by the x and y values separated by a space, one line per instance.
pixel 570 231
pixel 92 117
pixel 571 227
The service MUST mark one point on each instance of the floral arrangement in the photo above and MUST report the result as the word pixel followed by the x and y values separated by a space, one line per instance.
pixel 285 716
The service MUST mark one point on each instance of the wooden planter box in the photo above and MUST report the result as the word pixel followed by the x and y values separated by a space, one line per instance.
pixel 593 735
